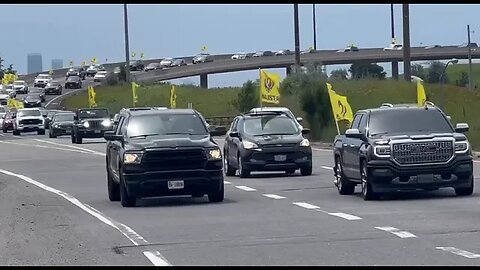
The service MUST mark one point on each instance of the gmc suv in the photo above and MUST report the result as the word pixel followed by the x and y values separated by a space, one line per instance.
pixel 162 153
pixel 403 147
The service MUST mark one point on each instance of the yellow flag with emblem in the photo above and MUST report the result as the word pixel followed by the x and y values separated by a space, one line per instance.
pixel 92 97
pixel 173 97
pixel 269 87
pixel 340 107
pixel 18 104
pixel 421 96
pixel 134 93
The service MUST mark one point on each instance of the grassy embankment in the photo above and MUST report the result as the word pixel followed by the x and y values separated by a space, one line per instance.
pixel 461 104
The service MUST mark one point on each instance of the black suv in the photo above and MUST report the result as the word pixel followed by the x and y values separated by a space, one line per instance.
pixel 77 71
pixel 162 153
pixel 90 123
pixel 266 141
pixel 136 65
pixel 403 147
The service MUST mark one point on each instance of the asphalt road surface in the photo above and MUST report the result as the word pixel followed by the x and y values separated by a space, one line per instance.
pixel 55 210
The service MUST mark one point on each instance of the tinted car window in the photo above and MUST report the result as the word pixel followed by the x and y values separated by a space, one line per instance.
pixel 165 124
pixel 356 121
pixel 93 113
pixel 63 117
pixel 22 113
pixel 400 121
pixel 265 125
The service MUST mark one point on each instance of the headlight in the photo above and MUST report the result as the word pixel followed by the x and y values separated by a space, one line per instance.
pixel 132 158
pixel 249 145
pixel 106 123
pixel 214 154
pixel 461 147
pixel 382 151
pixel 55 126
pixel 305 142
pixel 86 124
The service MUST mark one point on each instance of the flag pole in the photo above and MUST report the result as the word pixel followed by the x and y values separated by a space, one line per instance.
pixel 260 88
pixel 336 123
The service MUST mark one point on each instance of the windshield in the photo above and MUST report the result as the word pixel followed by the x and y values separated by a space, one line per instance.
pixel 270 124
pixel 35 90
pixel 28 113
pixel 102 73
pixel 153 64
pixel 43 76
pixel 93 114
pixel 54 83
pixel 400 121
pixel 165 124
pixel 18 83
pixel 50 114
pixel 64 117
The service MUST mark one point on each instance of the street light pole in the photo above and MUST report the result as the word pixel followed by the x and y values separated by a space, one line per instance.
pixel 469 60
pixel 297 36
pixel 442 76
pixel 407 68
pixel 392 22
pixel 127 49
pixel 314 29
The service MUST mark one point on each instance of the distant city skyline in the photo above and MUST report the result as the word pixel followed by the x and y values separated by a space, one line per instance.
pixel 34 62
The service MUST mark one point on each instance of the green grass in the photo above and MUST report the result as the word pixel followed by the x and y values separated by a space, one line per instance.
pixel 460 103
pixel 454 72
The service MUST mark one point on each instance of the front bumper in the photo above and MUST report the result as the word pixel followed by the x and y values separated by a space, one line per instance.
pixel 28 128
pixel 32 105
pixel 39 84
pixel 92 133
pixel 62 131
pixel 265 160
pixel 389 176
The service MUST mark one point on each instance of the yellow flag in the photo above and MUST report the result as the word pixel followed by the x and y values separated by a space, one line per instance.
pixel 11 103
pixel 421 96
pixel 141 55
pixel 204 48
pixel 92 97
pixel 173 97
pixel 18 104
pixel 134 93
pixel 50 72
pixel 83 63
pixel 269 87
pixel 340 107
pixel 133 54
pixel 94 60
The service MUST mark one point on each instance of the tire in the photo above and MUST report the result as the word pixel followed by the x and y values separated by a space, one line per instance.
pixel 52 134
pixel 41 132
pixel 16 133
pixel 5 130
pixel 466 191
pixel 241 171
pixel 125 199
pixel 343 184
pixel 229 171
pixel 78 139
pixel 305 171
pixel 291 171
pixel 113 188
pixel 73 137
pixel 217 195
pixel 367 192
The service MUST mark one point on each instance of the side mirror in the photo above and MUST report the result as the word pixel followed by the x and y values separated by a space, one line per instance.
pixel 461 127
pixel 111 136
pixel 234 134
pixel 353 133
pixel 305 131
pixel 299 119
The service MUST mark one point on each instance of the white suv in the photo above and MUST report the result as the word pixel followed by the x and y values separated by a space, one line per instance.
pixel 42 80
pixel 28 120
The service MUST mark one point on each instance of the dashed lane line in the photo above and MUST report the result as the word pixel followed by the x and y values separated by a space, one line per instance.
pixel 245 188
pixel 345 216
pixel 326 167
pixel 460 252
pixel 306 205
pixel 72 146
pixel 273 196
pixel 397 232
pixel 227 183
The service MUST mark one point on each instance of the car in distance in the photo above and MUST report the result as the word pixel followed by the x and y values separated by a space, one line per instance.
pixel 166 62
pixel 10 91
pixel 202 58
pixel 38 91
pixel 32 101
pixel 8 120
pixel 240 55
pixel 100 76
pixel 263 53
pixel 53 87
pixel 178 63
pixel 61 124
pixel 432 47
pixel 49 116
pixel 307 51
pixel 402 147
pixel 137 65
pixel 90 123
pixel 393 47
pixel 28 120
pixel 20 87
pixel 266 141
pixel 465 45
pixel 76 72
pixel 41 80
pixel 93 69
pixel 4 96
pixel 153 66
pixel 73 82
pixel 283 52
pixel 351 48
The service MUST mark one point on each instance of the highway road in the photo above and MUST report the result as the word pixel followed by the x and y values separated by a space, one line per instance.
pixel 55 210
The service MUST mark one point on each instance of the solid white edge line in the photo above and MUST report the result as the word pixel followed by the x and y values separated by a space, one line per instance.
pixel 245 188
pixel 274 196
pixel 47 147
pixel 227 183
pixel 306 205
pixel 463 253
pixel 345 216
pixel 156 258
pixel 397 232
pixel 326 167
pixel 73 147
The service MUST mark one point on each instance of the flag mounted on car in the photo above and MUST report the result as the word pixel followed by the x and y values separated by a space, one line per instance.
pixel 269 87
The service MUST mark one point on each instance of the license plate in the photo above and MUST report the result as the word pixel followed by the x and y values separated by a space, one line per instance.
pixel 280 158
pixel 176 184
pixel 97 131
pixel 425 178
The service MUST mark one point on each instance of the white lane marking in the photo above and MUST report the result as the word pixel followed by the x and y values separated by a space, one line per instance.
pixel 306 205
pixel 326 167
pixel 73 147
pixel 463 253
pixel 47 147
pixel 345 216
pixel 156 258
pixel 321 149
pixel 274 196
pixel 227 183
pixel 476 161
pixel 126 231
pixel 397 232
pixel 245 188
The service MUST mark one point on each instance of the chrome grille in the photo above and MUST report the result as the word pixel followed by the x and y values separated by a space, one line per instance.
pixel 423 152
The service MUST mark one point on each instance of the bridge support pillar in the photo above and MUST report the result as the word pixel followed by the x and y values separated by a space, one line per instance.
pixel 289 70
pixel 395 70
pixel 204 80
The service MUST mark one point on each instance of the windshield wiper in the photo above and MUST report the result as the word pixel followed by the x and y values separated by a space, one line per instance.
pixel 144 135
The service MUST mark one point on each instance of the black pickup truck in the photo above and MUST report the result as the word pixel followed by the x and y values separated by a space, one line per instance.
pixel 90 123
pixel 403 147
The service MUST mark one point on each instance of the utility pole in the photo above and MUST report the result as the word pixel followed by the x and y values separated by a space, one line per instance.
pixel 127 49
pixel 297 37
pixel 407 68
pixel 314 29
pixel 392 22
pixel 470 80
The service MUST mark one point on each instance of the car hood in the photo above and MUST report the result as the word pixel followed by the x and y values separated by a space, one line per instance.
pixel 32 99
pixel 169 141
pixel 30 117
pixel 395 137
pixel 3 96
pixel 52 86
pixel 275 139
pixel 18 86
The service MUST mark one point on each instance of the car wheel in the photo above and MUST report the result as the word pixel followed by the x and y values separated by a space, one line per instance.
pixel 78 139
pixel 125 199
pixel 229 171
pixel 16 133
pixel 466 191
pixel 241 171
pixel 218 194
pixel 305 171
pixel 41 132
pixel 73 138
pixel 5 130
pixel 113 188
pixel 367 191
pixel 52 134
pixel 291 171
pixel 344 185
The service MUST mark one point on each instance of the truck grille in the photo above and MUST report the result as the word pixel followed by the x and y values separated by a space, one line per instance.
pixel 30 122
pixel 167 160
pixel 423 152
pixel 95 124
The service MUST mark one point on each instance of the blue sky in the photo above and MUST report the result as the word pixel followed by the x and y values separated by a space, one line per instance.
pixel 80 32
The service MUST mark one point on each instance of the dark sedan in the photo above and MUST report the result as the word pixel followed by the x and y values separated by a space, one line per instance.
pixel 38 91
pixel 153 66
pixel 136 65
pixel 54 87
pixel 32 101
pixel 73 82
pixel 61 124
pixel 178 63
pixel 77 71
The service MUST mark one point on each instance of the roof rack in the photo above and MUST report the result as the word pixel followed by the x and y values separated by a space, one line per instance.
pixel 385 105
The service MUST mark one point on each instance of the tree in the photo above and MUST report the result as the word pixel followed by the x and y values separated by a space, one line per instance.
pixel 419 71
pixel 362 70
pixel 435 70
pixel 339 74
pixel 463 80
pixel 248 97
